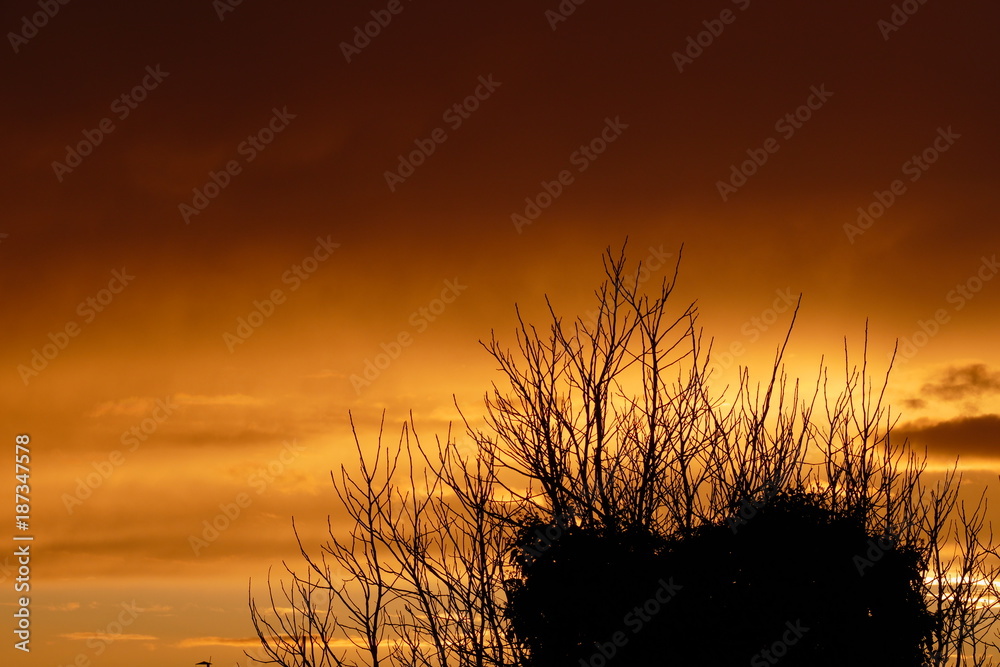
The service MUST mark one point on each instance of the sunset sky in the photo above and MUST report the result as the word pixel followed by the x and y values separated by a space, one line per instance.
pixel 219 213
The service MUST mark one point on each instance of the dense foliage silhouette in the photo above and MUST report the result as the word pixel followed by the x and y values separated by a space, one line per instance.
pixel 724 594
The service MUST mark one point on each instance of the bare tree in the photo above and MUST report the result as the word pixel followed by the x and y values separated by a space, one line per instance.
pixel 611 424
pixel 419 579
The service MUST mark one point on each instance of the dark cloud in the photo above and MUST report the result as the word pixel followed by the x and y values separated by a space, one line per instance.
pixel 972 437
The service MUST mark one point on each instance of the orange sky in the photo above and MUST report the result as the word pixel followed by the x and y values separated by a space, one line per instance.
pixel 241 239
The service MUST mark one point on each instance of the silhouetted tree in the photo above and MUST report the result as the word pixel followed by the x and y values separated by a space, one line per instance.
pixel 609 477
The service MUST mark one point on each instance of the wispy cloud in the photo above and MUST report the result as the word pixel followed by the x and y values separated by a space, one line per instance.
pixel 130 406
pixel 104 636
pixel 957 383
pixel 219 641
pixel 141 405
pixel 218 400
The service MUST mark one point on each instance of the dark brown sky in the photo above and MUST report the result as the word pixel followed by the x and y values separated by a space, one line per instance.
pixel 163 336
